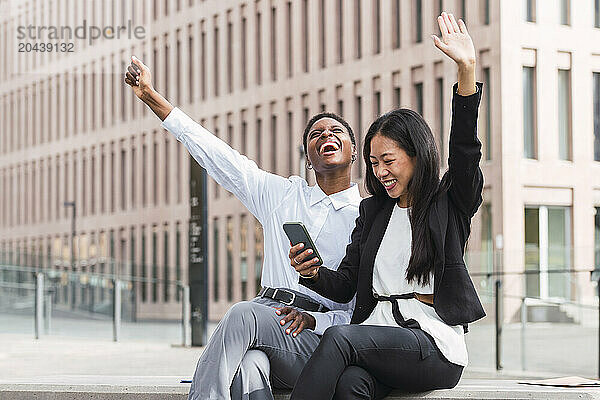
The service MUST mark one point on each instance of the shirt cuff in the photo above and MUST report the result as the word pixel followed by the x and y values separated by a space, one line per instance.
pixel 470 102
pixel 322 322
pixel 177 122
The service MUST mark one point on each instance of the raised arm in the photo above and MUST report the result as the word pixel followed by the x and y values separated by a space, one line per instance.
pixel 258 190
pixel 138 76
pixel 466 179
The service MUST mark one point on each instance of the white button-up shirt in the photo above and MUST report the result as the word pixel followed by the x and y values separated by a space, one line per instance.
pixel 274 200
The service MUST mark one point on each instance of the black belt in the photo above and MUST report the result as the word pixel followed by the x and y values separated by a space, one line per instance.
pixel 292 299
pixel 411 324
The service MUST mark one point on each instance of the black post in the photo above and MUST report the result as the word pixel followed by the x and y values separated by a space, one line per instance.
pixel 498 324
pixel 198 251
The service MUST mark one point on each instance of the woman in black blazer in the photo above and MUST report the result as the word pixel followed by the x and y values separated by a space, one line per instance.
pixel 410 236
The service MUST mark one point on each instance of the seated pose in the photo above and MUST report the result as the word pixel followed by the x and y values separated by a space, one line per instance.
pixel 255 343
pixel 405 263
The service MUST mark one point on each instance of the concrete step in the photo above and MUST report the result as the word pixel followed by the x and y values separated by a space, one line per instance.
pixel 169 388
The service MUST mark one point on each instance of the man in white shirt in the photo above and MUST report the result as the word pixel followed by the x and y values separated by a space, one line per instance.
pixel 258 342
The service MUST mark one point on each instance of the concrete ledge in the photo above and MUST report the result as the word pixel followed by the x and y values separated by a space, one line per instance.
pixel 168 388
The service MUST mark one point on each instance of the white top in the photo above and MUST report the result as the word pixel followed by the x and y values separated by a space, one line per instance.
pixel 273 200
pixel 389 278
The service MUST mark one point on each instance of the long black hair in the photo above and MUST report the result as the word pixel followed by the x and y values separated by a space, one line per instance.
pixel 410 131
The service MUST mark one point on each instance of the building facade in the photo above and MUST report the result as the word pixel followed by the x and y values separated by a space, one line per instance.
pixel 253 72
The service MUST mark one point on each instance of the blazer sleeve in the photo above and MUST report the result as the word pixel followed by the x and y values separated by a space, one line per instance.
pixel 340 286
pixel 466 178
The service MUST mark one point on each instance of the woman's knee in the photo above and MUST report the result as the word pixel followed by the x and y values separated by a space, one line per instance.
pixel 355 383
pixel 339 334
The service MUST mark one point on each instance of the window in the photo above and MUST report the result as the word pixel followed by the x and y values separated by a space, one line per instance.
pixel 154 170
pixel 216 259
pixel 547 247
pixel 529 111
pixel 288 34
pixel 564 114
pixel 178 68
pixel 376 103
pixel 274 143
pixel 376 26
pixel 258 254
pixel 487 244
pixel 166 278
pixel 203 61
pixel 178 276
pixel 530 9
pixel 358 113
pixel 418 18
pixel 273 44
pixel 123 190
pixel 133 181
pixel 485 8
pixel 397 96
pixel 259 142
pixel 144 172
pixel 357 30
pixel 290 132
pixel 258 48
pixel 340 31
pixel 216 55
pixel 597 238
pixel 154 263
pixel 166 169
pixel 487 117
pixel 322 27
pixel 596 13
pixel 396 23
pixel 596 106
pixel 229 57
pixel 439 91
pixel 565 12
pixel 244 66
pixel 418 93
pixel 229 259
pixel 244 256
pixel 305 35
pixel 463 10
pixel 143 274
pixel 244 134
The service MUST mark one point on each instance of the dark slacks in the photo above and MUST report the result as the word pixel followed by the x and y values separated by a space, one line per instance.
pixel 367 362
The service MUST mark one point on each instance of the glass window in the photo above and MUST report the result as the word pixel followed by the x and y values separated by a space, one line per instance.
pixel 596 115
pixel 565 12
pixel 166 277
pixel 418 21
pixel 596 13
pixel 396 23
pixel 357 29
pixel 597 238
pixel 216 259
pixel 258 254
pixel 529 10
pixel 340 31
pixel 532 252
pixel 154 264
pixel 564 114
pixel 244 256
pixel 439 89
pixel 229 259
pixel 529 110
pixel 418 92
pixel 487 244
pixel 488 113
pixel 376 26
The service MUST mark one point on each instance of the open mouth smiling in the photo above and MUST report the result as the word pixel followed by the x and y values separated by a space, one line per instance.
pixel 329 147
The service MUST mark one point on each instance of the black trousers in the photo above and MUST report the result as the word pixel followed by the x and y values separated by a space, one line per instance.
pixel 367 362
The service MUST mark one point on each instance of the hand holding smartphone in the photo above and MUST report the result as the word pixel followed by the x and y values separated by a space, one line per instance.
pixel 297 234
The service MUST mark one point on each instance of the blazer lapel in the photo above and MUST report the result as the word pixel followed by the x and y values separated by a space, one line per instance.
pixel 376 233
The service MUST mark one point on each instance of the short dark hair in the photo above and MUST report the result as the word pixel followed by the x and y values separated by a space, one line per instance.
pixel 322 115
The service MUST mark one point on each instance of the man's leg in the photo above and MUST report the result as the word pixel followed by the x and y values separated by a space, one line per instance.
pixel 251 382
pixel 249 325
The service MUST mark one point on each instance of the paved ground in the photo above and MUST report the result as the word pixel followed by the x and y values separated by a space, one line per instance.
pixel 85 347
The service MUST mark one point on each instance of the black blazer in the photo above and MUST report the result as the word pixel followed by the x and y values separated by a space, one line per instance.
pixel 455 298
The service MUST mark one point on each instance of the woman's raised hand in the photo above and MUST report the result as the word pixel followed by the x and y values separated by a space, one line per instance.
pixel 138 77
pixel 455 42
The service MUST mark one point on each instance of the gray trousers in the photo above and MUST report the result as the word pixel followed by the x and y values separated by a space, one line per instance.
pixel 248 350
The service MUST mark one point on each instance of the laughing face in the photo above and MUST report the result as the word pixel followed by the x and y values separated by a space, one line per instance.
pixel 391 165
pixel 329 145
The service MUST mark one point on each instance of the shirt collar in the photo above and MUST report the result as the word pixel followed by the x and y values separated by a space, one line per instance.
pixel 350 196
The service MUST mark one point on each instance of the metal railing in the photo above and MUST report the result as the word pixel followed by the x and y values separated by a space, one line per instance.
pixel 22 284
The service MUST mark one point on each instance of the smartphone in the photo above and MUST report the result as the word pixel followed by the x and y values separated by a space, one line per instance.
pixel 297 233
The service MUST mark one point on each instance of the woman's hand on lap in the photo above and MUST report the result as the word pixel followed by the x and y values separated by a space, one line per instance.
pixel 300 320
